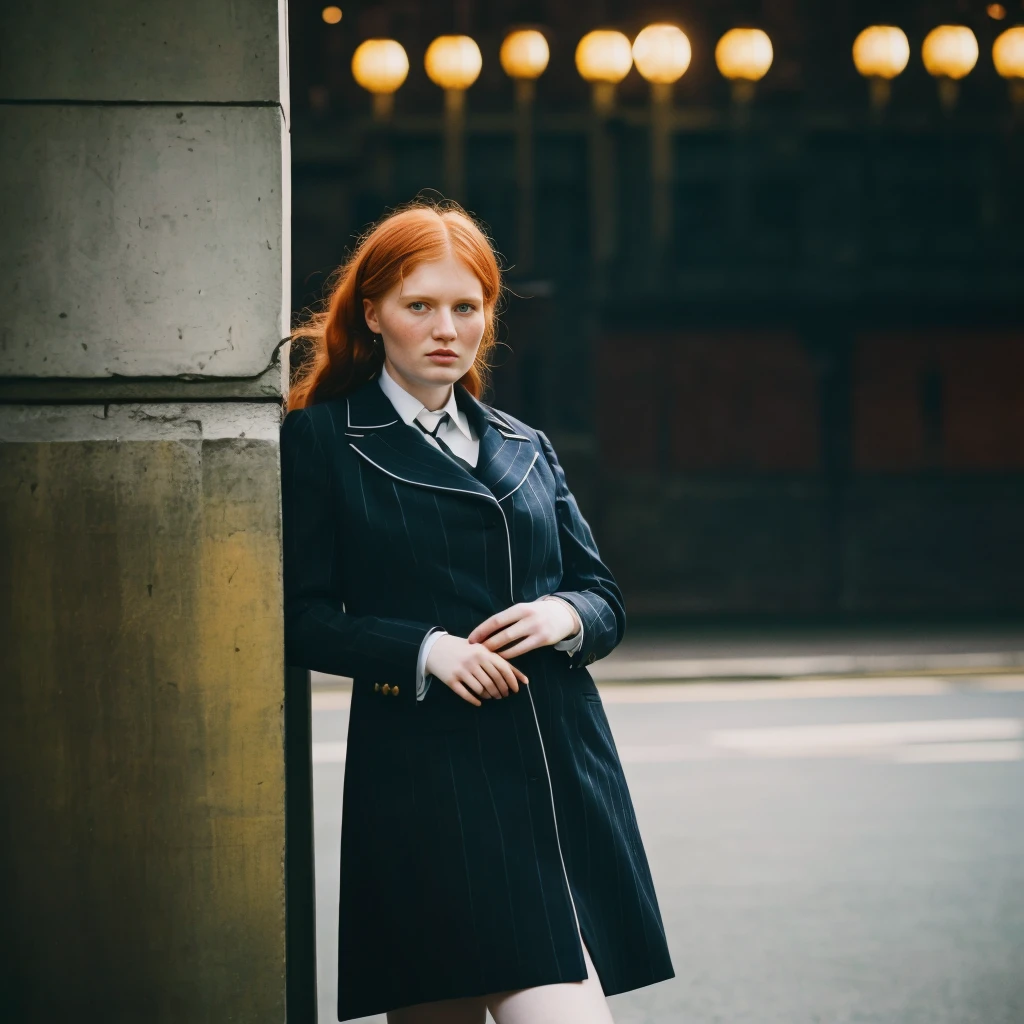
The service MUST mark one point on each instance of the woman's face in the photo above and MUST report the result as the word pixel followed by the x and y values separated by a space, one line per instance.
pixel 437 308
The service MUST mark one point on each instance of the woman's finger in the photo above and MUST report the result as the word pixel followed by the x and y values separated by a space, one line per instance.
pixel 458 688
pixel 473 684
pixel 485 680
pixel 528 643
pixel 497 676
pixel 507 674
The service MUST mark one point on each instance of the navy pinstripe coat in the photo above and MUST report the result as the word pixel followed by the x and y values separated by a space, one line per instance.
pixel 473 838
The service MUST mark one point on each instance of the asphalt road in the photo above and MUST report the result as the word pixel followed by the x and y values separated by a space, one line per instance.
pixel 825 852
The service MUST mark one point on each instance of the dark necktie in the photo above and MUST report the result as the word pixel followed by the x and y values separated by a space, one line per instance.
pixel 433 433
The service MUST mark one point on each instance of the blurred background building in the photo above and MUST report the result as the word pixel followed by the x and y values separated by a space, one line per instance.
pixel 766 299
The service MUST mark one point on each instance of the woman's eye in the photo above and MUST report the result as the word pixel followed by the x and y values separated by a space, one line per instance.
pixel 414 305
pixel 465 307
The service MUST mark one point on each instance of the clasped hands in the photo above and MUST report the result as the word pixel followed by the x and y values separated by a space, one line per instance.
pixel 476 666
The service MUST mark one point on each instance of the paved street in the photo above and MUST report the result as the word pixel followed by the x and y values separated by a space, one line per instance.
pixel 825 850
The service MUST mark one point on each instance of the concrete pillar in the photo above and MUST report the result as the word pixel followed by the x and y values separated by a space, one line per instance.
pixel 144 197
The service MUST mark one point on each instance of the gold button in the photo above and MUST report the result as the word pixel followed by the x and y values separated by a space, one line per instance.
pixel 385 688
pixel 394 689
pixel 376 687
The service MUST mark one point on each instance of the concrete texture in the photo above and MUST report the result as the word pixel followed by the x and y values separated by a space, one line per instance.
pixel 142 240
pixel 144 197
pixel 191 50
pixel 143 726
pixel 141 422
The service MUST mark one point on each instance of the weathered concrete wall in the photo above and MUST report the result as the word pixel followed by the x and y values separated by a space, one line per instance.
pixel 142 240
pixel 144 196
pixel 139 554
pixel 187 51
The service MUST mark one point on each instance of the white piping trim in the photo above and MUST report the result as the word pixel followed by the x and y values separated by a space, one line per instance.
pixel 536 455
pixel 536 722
pixel 416 483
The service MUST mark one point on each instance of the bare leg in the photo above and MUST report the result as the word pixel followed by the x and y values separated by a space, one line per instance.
pixel 446 1011
pixel 581 1002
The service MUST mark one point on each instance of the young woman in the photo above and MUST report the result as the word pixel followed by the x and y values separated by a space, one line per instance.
pixel 490 856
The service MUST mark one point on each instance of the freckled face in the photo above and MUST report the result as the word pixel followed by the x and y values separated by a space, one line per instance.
pixel 439 305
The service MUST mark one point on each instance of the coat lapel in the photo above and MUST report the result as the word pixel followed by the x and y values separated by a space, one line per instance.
pixel 384 440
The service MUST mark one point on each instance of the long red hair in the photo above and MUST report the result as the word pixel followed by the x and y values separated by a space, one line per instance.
pixel 340 354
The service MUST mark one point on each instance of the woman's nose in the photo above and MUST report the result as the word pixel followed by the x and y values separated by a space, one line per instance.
pixel 445 325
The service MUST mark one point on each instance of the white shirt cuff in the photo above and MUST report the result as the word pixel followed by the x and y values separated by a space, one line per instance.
pixel 571 644
pixel 422 680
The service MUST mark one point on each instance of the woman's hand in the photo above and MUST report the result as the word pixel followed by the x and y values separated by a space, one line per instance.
pixel 531 623
pixel 463 667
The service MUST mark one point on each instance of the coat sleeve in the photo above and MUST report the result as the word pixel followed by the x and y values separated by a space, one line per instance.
pixel 589 584
pixel 319 634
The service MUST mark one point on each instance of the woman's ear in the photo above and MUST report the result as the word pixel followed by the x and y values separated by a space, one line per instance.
pixel 370 315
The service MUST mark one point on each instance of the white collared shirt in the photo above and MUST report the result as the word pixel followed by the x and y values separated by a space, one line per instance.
pixel 459 435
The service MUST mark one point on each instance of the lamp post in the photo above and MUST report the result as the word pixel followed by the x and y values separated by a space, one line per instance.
pixel 662 54
pixel 603 58
pixel 1008 57
pixel 949 53
pixel 380 66
pixel 880 53
pixel 454 63
pixel 743 56
pixel 524 57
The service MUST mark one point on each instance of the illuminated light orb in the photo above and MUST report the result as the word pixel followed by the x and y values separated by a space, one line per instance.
pixel 331 15
pixel 524 54
pixel 881 51
pixel 604 55
pixel 453 62
pixel 662 53
pixel 1008 53
pixel 744 54
pixel 380 66
pixel 950 51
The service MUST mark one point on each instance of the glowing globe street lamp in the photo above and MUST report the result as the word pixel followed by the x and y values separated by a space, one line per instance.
pixel 662 54
pixel 603 58
pixel 949 53
pixel 380 66
pixel 1008 57
pixel 524 58
pixel 744 55
pixel 880 54
pixel 454 63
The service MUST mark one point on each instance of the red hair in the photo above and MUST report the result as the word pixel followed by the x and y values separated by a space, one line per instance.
pixel 341 354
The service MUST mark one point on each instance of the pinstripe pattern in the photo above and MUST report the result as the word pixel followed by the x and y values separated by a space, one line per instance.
pixel 473 839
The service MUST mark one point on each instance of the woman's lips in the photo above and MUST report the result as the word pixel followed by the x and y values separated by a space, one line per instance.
pixel 442 357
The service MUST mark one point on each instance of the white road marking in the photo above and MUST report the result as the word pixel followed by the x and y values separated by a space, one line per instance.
pixel 803 689
pixel 960 753
pixel 700 693
pixel 849 736
pixel 620 666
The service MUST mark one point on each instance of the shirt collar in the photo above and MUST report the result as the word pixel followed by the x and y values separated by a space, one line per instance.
pixel 409 406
